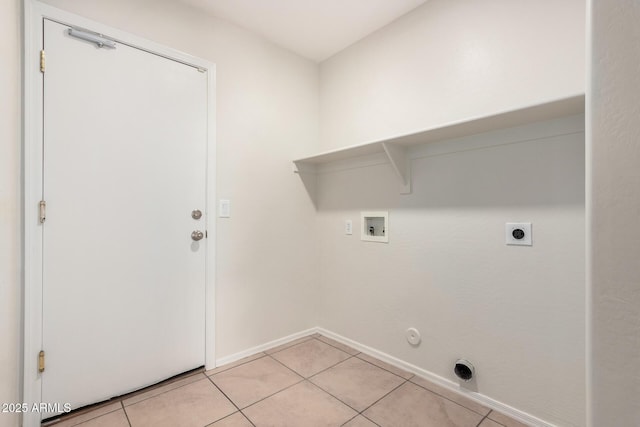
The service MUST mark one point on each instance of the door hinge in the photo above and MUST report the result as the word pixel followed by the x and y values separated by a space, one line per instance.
pixel 41 361
pixel 43 61
pixel 43 211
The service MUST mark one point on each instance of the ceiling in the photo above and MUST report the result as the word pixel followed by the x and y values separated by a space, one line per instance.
pixel 315 29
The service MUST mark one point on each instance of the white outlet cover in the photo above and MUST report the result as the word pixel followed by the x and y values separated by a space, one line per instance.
pixel 511 230
pixel 348 227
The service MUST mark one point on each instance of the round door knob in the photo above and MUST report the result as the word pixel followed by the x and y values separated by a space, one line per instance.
pixel 197 235
pixel 196 214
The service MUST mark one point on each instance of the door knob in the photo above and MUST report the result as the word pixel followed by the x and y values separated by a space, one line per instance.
pixel 196 214
pixel 197 235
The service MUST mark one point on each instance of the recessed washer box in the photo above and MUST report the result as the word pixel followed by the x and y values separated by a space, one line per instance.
pixel 375 226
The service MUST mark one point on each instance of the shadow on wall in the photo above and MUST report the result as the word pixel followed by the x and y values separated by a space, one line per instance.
pixel 543 172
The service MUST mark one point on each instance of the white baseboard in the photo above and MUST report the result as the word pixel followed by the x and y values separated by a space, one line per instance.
pixel 262 347
pixel 490 403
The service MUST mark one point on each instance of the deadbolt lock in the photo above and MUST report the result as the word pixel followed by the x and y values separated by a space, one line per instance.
pixel 197 235
pixel 196 214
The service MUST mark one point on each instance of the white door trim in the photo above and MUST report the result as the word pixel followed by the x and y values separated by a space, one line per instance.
pixel 34 12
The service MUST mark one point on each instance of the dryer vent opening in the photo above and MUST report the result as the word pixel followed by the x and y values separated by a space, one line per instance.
pixel 464 370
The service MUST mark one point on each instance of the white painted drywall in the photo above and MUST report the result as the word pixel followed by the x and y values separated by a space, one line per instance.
pixel 267 113
pixel 451 60
pixel 516 312
pixel 614 204
pixel 10 240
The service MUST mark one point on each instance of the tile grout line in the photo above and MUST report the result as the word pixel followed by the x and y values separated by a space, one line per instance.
pixel 121 400
pixel 360 415
pixel 391 391
pixel 224 394
pixel 349 420
pixel 406 379
pixel 302 379
pixel 309 338
pixel 483 418
pixel 247 418
pixel 297 373
pixel 332 366
pixel 68 417
pixel 351 356
pixel 232 402
pixel 345 403
pixel 337 398
pixel 276 360
pixel 125 412
pixel 164 392
pixel 450 400
pixel 317 373
pixel 491 411
pixel 272 394
pixel 369 419
pixel 357 355
pixel 230 415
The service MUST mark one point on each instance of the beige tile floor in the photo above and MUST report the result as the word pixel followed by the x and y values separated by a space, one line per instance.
pixel 309 382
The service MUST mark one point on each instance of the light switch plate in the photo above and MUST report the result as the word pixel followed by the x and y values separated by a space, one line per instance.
pixel 224 209
pixel 348 227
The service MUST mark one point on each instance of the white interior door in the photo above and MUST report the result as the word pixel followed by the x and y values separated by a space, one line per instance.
pixel 125 134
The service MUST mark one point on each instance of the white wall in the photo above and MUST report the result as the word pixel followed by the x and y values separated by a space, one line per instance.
pixel 267 113
pixel 10 241
pixel 446 269
pixel 614 203
pixel 451 60
pixel 516 312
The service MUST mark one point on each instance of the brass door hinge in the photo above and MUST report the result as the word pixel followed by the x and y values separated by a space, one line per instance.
pixel 43 61
pixel 41 361
pixel 43 211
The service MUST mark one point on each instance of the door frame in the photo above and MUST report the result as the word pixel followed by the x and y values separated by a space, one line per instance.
pixel 34 12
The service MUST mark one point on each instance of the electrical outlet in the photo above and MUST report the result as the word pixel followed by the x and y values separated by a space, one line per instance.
pixel 518 233
pixel 348 227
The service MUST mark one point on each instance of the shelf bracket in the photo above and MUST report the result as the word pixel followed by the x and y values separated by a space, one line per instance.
pixel 308 176
pixel 399 159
